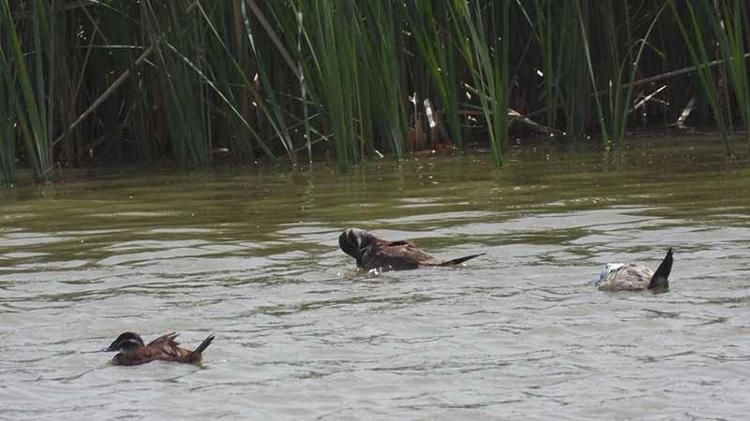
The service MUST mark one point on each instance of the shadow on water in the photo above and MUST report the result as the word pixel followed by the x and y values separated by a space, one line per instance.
pixel 300 334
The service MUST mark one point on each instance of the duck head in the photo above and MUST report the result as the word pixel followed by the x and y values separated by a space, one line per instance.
pixel 609 268
pixel 355 241
pixel 125 343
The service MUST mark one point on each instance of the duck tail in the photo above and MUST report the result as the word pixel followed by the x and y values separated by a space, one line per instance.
pixel 195 356
pixel 458 261
pixel 659 280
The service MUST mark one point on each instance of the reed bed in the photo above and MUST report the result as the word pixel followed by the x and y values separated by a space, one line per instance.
pixel 192 81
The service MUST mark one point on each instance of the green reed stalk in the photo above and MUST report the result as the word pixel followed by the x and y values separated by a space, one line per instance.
pixel 269 103
pixel 620 117
pixel 34 110
pixel 590 67
pixel 7 131
pixel 292 38
pixel 570 72
pixel 127 26
pixel 384 70
pixel 286 45
pixel 488 64
pixel 544 34
pixel 329 30
pixel 69 64
pixel 728 20
pixel 693 34
pixel 439 56
pixel 186 98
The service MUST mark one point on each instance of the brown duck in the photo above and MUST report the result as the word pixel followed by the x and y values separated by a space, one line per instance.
pixel 371 252
pixel 132 351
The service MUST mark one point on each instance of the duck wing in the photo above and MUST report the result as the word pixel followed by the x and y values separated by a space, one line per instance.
pixel 630 277
pixel 166 348
pixel 168 338
pixel 396 255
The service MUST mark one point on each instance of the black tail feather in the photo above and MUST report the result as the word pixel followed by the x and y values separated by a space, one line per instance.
pixel 202 347
pixel 460 260
pixel 660 278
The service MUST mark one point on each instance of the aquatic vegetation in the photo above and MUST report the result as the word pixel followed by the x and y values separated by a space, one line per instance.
pixel 693 32
pixel 7 132
pixel 486 51
pixel 719 26
pixel 30 85
pixel 190 81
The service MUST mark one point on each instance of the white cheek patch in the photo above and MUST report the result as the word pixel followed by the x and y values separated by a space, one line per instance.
pixel 353 238
pixel 613 267
pixel 609 269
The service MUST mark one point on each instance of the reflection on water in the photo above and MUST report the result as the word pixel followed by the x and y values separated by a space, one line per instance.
pixel 253 257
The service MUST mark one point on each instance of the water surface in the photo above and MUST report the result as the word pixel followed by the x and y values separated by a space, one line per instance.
pixel 252 256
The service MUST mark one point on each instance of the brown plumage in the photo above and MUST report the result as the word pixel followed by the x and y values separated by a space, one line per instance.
pixel 371 252
pixel 132 351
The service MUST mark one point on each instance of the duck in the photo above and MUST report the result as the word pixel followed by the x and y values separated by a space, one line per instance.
pixel 372 253
pixel 132 350
pixel 635 276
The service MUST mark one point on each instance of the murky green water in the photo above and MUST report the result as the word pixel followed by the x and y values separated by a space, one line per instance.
pixel 516 334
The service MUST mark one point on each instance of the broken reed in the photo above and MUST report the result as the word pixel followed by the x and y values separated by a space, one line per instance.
pixel 98 82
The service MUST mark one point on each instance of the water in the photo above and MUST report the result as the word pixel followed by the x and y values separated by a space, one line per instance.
pixel 252 256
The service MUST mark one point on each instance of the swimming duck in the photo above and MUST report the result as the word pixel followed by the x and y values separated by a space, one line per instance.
pixel 132 351
pixel 371 252
pixel 634 276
